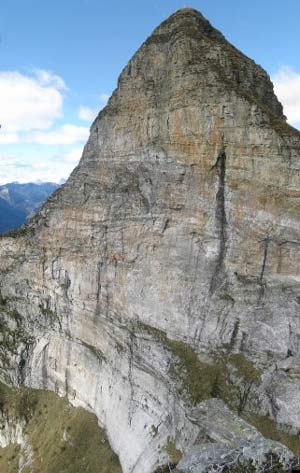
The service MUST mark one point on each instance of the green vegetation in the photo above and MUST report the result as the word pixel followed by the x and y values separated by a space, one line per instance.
pixel 175 455
pixel 2 301
pixel 12 333
pixel 271 464
pixel 245 368
pixel 201 380
pixel 270 430
pixel 18 403
pixel 230 377
pixel 9 459
pixel 24 230
pixel 63 438
pixel 50 318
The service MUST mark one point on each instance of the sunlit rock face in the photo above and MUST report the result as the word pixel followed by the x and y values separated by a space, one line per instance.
pixel 166 270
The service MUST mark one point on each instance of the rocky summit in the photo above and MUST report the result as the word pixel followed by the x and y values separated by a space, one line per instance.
pixel 159 287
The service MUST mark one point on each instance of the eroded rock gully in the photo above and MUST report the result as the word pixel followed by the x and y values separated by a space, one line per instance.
pixel 165 272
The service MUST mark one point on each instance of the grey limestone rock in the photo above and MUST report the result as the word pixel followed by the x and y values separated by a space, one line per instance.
pixel 233 441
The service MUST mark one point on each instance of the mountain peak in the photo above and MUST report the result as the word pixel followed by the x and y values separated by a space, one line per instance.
pixel 187 12
pixel 189 20
pixel 186 51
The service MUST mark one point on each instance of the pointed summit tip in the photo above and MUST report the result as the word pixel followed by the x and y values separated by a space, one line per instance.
pixel 189 21
pixel 188 11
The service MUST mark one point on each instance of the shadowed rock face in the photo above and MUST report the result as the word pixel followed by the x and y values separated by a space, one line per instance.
pixel 166 270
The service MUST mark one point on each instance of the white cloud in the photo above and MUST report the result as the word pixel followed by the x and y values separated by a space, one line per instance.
pixel 73 156
pixel 8 138
pixel 64 135
pixel 287 88
pixel 47 78
pixel 29 102
pixel 13 167
pixel 87 113
pixel 104 98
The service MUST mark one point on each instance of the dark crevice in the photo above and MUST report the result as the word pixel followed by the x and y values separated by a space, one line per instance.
pixel 44 366
pixel 234 334
pixel 22 365
pixel 243 341
pixel 263 267
pixel 105 285
pixel 221 223
pixel 99 285
pixel 166 225
pixel 130 376
pixel 261 282
pixel 273 404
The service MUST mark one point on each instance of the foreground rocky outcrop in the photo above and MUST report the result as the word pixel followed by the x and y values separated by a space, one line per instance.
pixel 165 273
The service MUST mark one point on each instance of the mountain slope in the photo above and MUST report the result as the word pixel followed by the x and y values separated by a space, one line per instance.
pixel 18 202
pixel 159 287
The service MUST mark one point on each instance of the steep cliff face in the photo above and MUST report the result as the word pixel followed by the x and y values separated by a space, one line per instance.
pixel 166 270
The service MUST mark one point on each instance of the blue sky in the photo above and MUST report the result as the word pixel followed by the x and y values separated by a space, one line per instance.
pixel 60 60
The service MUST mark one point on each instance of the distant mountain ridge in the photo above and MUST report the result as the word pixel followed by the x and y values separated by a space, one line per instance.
pixel 18 202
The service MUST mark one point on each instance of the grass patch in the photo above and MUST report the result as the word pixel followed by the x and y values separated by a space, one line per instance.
pixel 18 403
pixel 9 459
pixel 63 438
pixel 175 455
pixel 245 368
pixel 269 429
pixel 199 380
